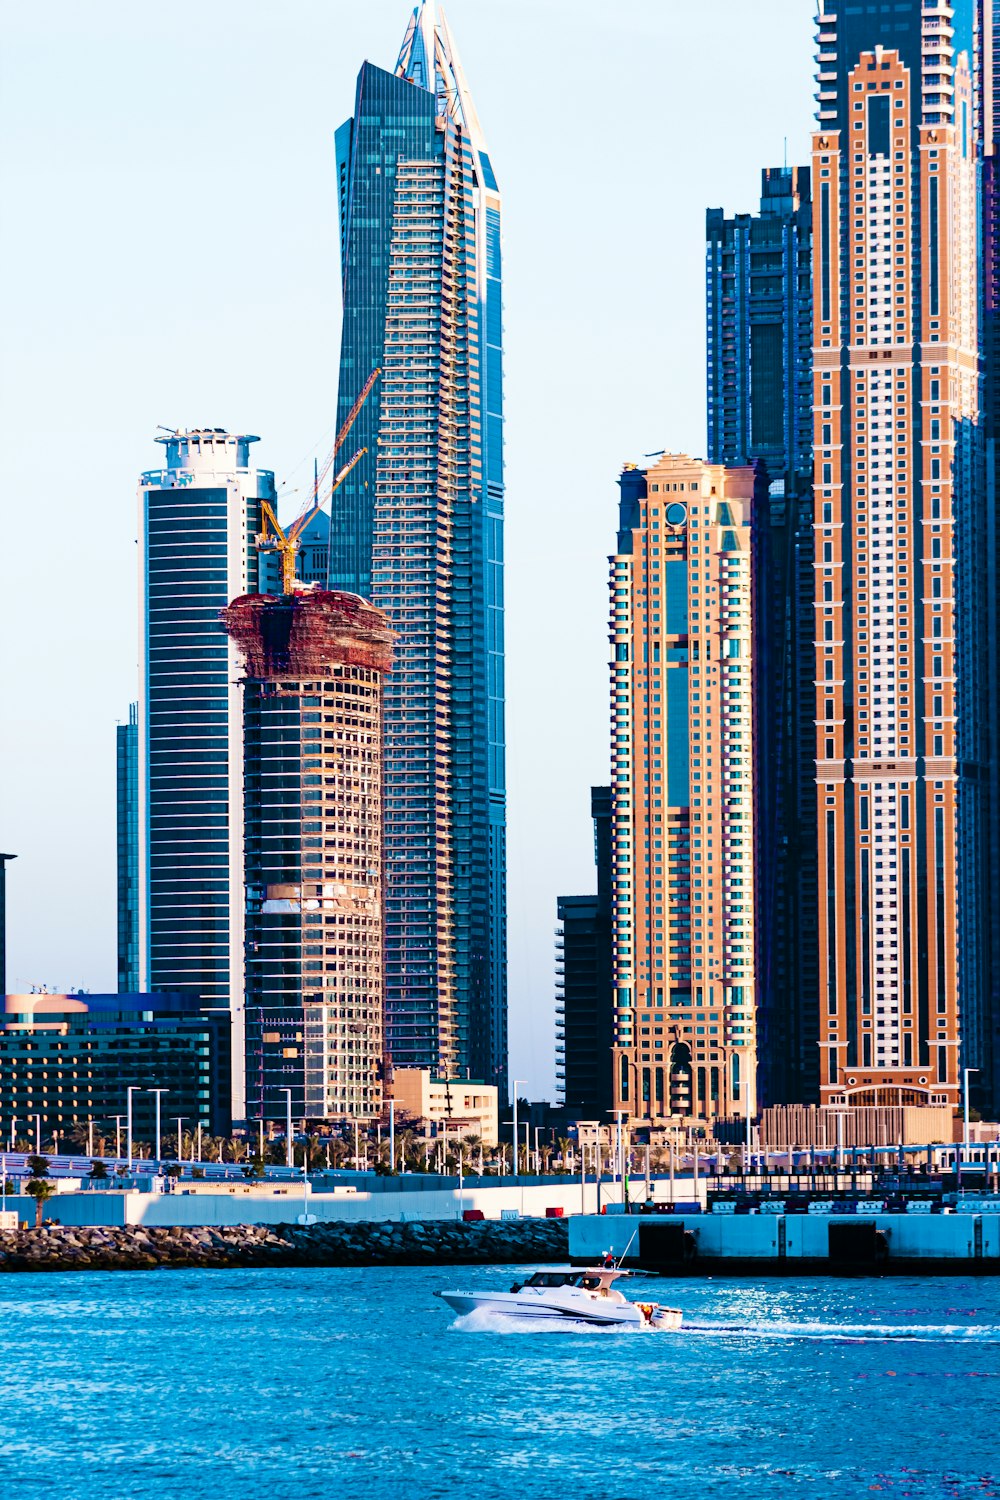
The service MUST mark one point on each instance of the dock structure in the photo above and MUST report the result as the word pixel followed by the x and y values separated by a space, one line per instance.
pixel 824 1237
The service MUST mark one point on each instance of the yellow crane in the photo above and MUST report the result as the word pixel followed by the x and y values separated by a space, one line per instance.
pixel 286 543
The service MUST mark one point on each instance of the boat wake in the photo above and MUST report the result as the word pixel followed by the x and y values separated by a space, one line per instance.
pixel 482 1320
pixel 853 1333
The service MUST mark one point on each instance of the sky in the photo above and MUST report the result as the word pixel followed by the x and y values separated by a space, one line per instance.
pixel 169 256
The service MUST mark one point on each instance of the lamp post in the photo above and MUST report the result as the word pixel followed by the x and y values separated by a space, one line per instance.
pixel 965 1119
pixel 180 1138
pixel 289 1158
pixel 38 1135
pixel 392 1136
pixel 157 1092
pixel 118 1137
pixel 516 1082
pixel 133 1088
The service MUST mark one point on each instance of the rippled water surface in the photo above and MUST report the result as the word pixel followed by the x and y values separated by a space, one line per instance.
pixel 286 1385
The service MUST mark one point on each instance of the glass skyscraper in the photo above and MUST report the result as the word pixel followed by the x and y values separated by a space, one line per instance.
pixel 199 517
pixel 417 529
pixel 127 786
pixel 759 324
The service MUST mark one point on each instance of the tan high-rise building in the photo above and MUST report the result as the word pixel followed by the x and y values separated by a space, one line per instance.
pixel 682 712
pixel 895 401
pixel 314 666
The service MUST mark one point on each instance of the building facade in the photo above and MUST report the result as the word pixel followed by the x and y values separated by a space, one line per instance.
pixel 759 368
pixel 417 527
pixel 199 517
pixel 127 828
pixel 584 988
pixel 683 792
pixel 901 717
pixel 69 1059
pixel 314 664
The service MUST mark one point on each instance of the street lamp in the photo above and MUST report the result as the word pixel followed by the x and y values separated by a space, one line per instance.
pixel 133 1088
pixel 516 1082
pixel 180 1138
pixel 289 1157
pixel 157 1092
pixel 965 1116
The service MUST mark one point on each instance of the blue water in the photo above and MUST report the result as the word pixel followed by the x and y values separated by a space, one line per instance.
pixel 358 1385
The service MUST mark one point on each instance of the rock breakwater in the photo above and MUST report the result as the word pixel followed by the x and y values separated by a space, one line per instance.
pixel 141 1248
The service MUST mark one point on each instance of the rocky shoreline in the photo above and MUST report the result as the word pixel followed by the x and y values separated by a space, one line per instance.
pixel 141 1248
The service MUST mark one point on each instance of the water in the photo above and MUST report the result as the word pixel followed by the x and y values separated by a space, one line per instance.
pixel 359 1385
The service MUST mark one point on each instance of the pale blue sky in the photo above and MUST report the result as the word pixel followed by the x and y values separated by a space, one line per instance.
pixel 169 255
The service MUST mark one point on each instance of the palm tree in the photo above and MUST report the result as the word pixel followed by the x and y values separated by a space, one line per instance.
pixel 41 1190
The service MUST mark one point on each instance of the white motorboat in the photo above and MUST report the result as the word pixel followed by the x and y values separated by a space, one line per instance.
pixel 566 1297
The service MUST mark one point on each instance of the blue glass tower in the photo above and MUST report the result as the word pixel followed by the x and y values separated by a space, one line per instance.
pixel 127 784
pixel 199 518
pixel 417 528
pixel 760 403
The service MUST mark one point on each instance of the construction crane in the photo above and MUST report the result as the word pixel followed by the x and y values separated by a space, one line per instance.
pixel 286 543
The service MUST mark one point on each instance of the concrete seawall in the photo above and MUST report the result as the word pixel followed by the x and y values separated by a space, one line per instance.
pixel 133 1248
pixel 282 1203
pixel 962 1242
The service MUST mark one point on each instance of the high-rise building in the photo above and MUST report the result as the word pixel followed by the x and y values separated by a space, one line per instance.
pixel 314 664
pixel 759 322
pixel 683 773
pixel 199 517
pixel 584 990
pixel 759 329
pixel 4 860
pixel 901 555
pixel 127 822
pixel 986 1084
pixel 417 527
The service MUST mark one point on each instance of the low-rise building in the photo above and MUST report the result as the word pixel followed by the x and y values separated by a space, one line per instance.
pixel 70 1060
pixel 458 1104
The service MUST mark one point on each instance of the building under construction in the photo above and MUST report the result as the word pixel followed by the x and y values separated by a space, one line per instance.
pixel 314 663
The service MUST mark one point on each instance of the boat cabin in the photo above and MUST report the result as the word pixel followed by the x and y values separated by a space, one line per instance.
pixel 596 1280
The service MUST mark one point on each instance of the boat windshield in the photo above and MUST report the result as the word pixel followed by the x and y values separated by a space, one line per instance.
pixel 564 1278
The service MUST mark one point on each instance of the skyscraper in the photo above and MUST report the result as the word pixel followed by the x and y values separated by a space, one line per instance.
pixel 199 518
pixel 759 324
pixel 314 664
pixel 584 992
pixel 759 329
pixel 987 1082
pixel 127 786
pixel 900 554
pixel 683 682
pixel 417 528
